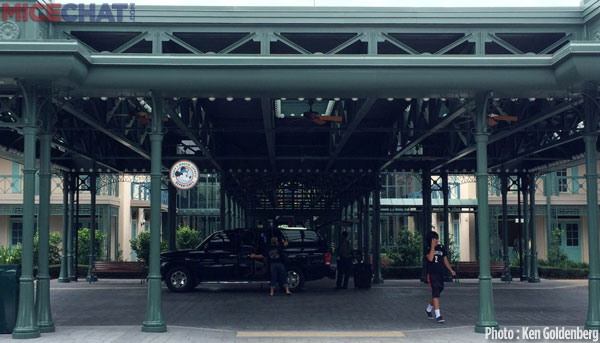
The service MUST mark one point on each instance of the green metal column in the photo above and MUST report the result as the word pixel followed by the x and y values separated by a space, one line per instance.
pixel 520 221
pixel 352 207
pixel 591 177
pixel 228 223
pixel 533 273
pixel 365 244
pixel 377 231
pixel 446 194
pixel 547 191
pixel 154 315
pixel 71 228
pixel 222 209
pixel 90 277
pixel 504 190
pixel 360 209
pixel 64 269
pixel 26 325
pixel 486 316
pixel 526 259
pixel 426 214
pixel 172 216
pixel 42 304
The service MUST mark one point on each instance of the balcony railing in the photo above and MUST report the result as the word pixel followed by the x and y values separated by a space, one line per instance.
pixel 549 184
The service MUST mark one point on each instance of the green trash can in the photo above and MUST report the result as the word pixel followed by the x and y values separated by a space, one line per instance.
pixel 9 296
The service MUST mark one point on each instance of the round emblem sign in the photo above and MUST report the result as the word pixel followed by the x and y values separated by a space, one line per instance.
pixel 184 174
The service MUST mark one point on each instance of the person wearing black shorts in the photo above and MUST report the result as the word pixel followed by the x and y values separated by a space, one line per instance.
pixel 436 257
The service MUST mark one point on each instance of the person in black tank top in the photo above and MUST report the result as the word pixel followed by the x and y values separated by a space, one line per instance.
pixel 436 259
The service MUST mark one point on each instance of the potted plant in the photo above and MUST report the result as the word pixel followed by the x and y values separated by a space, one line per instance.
pixel 10 272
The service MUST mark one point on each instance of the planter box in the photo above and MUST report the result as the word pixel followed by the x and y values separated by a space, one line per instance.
pixel 9 296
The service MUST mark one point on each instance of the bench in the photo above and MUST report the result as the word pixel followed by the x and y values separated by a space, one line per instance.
pixel 119 267
pixel 473 268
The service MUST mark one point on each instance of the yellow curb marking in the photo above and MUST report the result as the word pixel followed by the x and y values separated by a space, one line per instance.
pixel 320 334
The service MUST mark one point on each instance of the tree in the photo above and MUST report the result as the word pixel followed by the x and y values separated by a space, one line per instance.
pixel 53 252
pixel 557 257
pixel 83 252
pixel 407 249
pixel 141 246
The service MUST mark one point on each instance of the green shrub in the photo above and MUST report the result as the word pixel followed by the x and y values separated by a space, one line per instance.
pixel 83 251
pixel 407 249
pixel 562 273
pixel 10 255
pixel 186 238
pixel 141 246
pixel 53 252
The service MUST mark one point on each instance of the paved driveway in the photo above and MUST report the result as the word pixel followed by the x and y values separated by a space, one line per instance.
pixel 395 305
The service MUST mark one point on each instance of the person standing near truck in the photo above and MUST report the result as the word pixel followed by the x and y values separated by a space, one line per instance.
pixel 344 262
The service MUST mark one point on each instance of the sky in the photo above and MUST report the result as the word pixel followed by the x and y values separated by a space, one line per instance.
pixel 364 3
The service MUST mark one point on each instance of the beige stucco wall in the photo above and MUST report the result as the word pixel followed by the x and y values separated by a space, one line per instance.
pixel 125 219
pixel 4 230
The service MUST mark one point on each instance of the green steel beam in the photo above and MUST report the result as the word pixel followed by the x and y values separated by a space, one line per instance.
pixel 345 44
pixel 442 124
pixel 536 151
pixel 237 44
pixel 184 44
pixel 400 44
pixel 505 44
pixel 96 125
pixel 360 115
pixel 291 44
pixel 194 138
pixel 82 154
pixel 326 17
pixel 131 42
pixel 321 76
pixel 269 123
pixel 517 128
pixel 454 44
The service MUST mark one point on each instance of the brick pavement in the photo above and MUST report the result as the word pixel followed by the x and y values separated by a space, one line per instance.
pixel 113 310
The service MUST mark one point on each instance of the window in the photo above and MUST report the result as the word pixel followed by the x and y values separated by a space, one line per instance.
pixel 16 233
pixel 454 186
pixel 16 178
pixel 292 235
pixel 456 229
pixel 220 241
pixel 572 235
pixel 133 235
pixel 561 176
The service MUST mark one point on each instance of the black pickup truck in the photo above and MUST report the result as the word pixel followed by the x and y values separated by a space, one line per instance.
pixel 225 257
